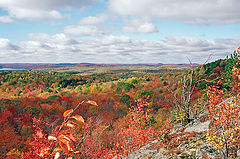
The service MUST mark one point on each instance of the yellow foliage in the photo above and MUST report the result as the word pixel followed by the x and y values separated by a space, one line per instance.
pixel 14 152
pixel 225 134
pixel 94 89
pixel 161 117
pixel 178 91
pixel 85 90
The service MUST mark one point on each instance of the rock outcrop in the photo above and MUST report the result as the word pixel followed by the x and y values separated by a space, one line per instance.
pixel 195 147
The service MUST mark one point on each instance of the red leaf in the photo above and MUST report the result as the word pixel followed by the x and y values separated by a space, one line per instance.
pixel 52 137
pixel 67 113
pixel 64 145
pixel 70 137
pixel 64 137
pixel 78 118
pixel 70 124
pixel 92 102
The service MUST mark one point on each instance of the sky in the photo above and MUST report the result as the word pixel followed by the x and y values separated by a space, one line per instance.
pixel 118 31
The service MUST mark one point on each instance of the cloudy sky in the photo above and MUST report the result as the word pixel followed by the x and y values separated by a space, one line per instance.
pixel 118 31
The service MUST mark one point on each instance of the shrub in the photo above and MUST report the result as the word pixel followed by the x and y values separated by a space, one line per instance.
pixel 124 99
pixel 32 110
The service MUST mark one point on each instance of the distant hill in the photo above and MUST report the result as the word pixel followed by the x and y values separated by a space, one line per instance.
pixel 51 65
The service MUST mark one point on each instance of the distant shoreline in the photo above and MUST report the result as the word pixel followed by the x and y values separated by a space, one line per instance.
pixel 11 69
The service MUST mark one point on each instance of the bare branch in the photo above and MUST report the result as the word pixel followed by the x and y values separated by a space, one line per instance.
pixel 189 61
pixel 188 88
pixel 176 100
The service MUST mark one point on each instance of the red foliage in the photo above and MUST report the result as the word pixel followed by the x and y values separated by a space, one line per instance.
pixel 224 115
pixel 39 146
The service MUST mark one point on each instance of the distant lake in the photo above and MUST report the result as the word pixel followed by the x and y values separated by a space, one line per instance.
pixel 11 69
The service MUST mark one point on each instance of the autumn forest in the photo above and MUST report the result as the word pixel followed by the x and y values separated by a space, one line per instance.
pixel 114 111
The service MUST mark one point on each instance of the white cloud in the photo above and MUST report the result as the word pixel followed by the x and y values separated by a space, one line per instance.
pixel 114 49
pixel 187 11
pixel 190 41
pixel 82 30
pixel 87 26
pixel 44 9
pixel 5 44
pixel 59 38
pixel 112 40
pixel 8 51
pixel 137 26
pixel 31 14
pixel 90 20
pixel 47 4
pixel 6 19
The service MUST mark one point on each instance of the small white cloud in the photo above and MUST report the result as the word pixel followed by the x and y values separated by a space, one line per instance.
pixel 136 26
pixel 82 30
pixel 6 19
pixel 90 20
pixel 59 38
pixel 5 44
pixel 33 14
pixel 190 41
pixel 112 40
